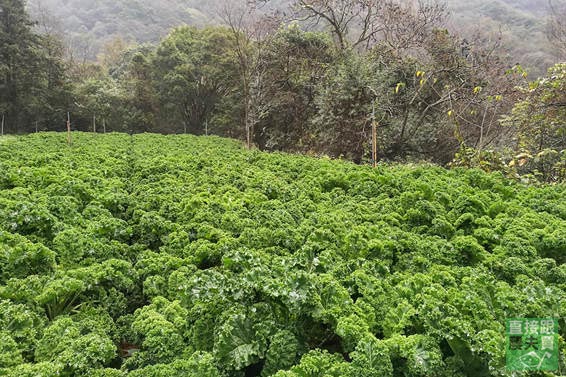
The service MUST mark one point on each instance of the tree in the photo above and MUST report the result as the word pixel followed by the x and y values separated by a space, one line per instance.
pixel 248 29
pixel 32 72
pixel 195 69
pixel 406 26
pixel 112 56
pixel 476 89
pixel 294 63
pixel 17 56
pixel 55 87
pixel 104 100
pixel 449 92
pixel 344 105
pixel 540 121
pixel 341 16
pixel 142 97
pixel 362 23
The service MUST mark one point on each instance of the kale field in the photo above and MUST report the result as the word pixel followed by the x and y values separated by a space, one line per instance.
pixel 153 255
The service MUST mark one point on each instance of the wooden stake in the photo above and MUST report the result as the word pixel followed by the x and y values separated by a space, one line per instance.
pixel 206 127
pixel 374 138
pixel 2 131
pixel 103 125
pixel 69 140
pixel 248 138
pixel 94 123
pixel 36 126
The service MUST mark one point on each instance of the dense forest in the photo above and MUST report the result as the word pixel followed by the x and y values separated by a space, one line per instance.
pixel 308 77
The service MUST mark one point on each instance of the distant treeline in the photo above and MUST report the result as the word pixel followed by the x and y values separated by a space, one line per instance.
pixel 313 86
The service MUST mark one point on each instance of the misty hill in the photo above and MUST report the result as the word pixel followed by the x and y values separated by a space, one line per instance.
pixel 89 24
pixel 522 24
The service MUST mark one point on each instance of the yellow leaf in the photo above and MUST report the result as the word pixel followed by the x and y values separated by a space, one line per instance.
pixel 523 155
pixel 523 161
pixel 477 89
pixel 450 112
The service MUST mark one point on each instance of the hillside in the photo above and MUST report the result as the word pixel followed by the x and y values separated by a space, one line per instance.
pixel 89 25
pixel 521 23
pixel 155 255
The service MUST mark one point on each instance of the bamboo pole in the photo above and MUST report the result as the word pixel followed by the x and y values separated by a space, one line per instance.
pixel 69 140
